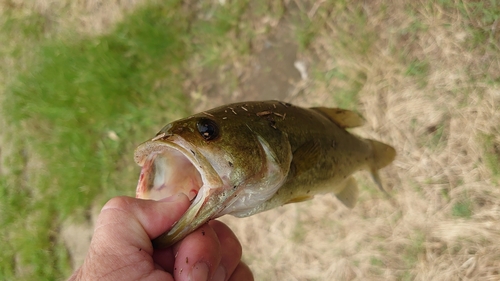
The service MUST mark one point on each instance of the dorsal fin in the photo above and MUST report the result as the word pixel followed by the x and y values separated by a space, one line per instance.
pixel 342 117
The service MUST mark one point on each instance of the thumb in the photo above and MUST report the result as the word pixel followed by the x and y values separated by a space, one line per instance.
pixel 128 220
pixel 122 237
pixel 155 217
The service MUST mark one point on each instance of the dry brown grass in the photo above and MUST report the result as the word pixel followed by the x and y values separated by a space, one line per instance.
pixel 437 120
pixel 443 221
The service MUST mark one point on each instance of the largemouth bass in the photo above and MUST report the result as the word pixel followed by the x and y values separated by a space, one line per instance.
pixel 246 158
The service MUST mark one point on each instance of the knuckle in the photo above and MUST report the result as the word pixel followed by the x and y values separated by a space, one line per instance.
pixel 122 203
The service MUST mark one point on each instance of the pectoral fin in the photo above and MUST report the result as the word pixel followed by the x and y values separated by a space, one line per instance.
pixel 305 157
pixel 299 199
pixel 349 194
pixel 342 117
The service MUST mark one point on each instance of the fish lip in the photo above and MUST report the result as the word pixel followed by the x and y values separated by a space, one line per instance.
pixel 197 213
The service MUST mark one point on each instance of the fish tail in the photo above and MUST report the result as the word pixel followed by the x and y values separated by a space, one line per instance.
pixel 382 155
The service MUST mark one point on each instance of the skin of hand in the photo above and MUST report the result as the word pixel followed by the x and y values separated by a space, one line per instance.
pixel 121 246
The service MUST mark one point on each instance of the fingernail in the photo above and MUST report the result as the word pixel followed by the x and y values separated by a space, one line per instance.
pixel 220 274
pixel 199 272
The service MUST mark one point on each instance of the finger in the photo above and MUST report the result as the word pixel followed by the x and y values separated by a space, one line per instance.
pixel 230 250
pixel 242 273
pixel 127 221
pixel 197 255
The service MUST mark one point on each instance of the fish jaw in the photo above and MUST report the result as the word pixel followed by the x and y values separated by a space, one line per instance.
pixel 198 180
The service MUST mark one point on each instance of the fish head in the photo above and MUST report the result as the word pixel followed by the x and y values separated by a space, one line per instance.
pixel 217 164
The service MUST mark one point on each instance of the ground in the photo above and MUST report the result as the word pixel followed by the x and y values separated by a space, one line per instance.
pixel 425 76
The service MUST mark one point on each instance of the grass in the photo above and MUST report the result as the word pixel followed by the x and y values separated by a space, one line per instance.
pixel 347 86
pixel 419 70
pixel 414 249
pixel 75 105
pixel 492 155
pixel 483 19
pixel 462 209
pixel 72 110
pixel 347 24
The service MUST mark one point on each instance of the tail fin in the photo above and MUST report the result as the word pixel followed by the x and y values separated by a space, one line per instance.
pixel 382 155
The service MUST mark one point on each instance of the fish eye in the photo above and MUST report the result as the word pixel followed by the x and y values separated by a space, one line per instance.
pixel 207 128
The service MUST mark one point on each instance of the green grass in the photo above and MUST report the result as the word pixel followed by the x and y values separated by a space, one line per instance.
pixel 377 266
pixel 419 70
pixel 352 42
pixel 462 209
pixel 412 253
pixel 491 155
pixel 414 249
pixel 77 92
pixel 376 262
pixel 485 14
pixel 307 32
pixel 482 16
pixel 219 25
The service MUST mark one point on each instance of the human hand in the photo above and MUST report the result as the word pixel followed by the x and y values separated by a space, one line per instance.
pixel 121 246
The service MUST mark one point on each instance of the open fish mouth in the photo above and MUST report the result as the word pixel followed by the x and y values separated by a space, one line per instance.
pixel 171 166
pixel 166 172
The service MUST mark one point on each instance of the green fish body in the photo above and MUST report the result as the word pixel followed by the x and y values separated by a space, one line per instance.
pixel 249 157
